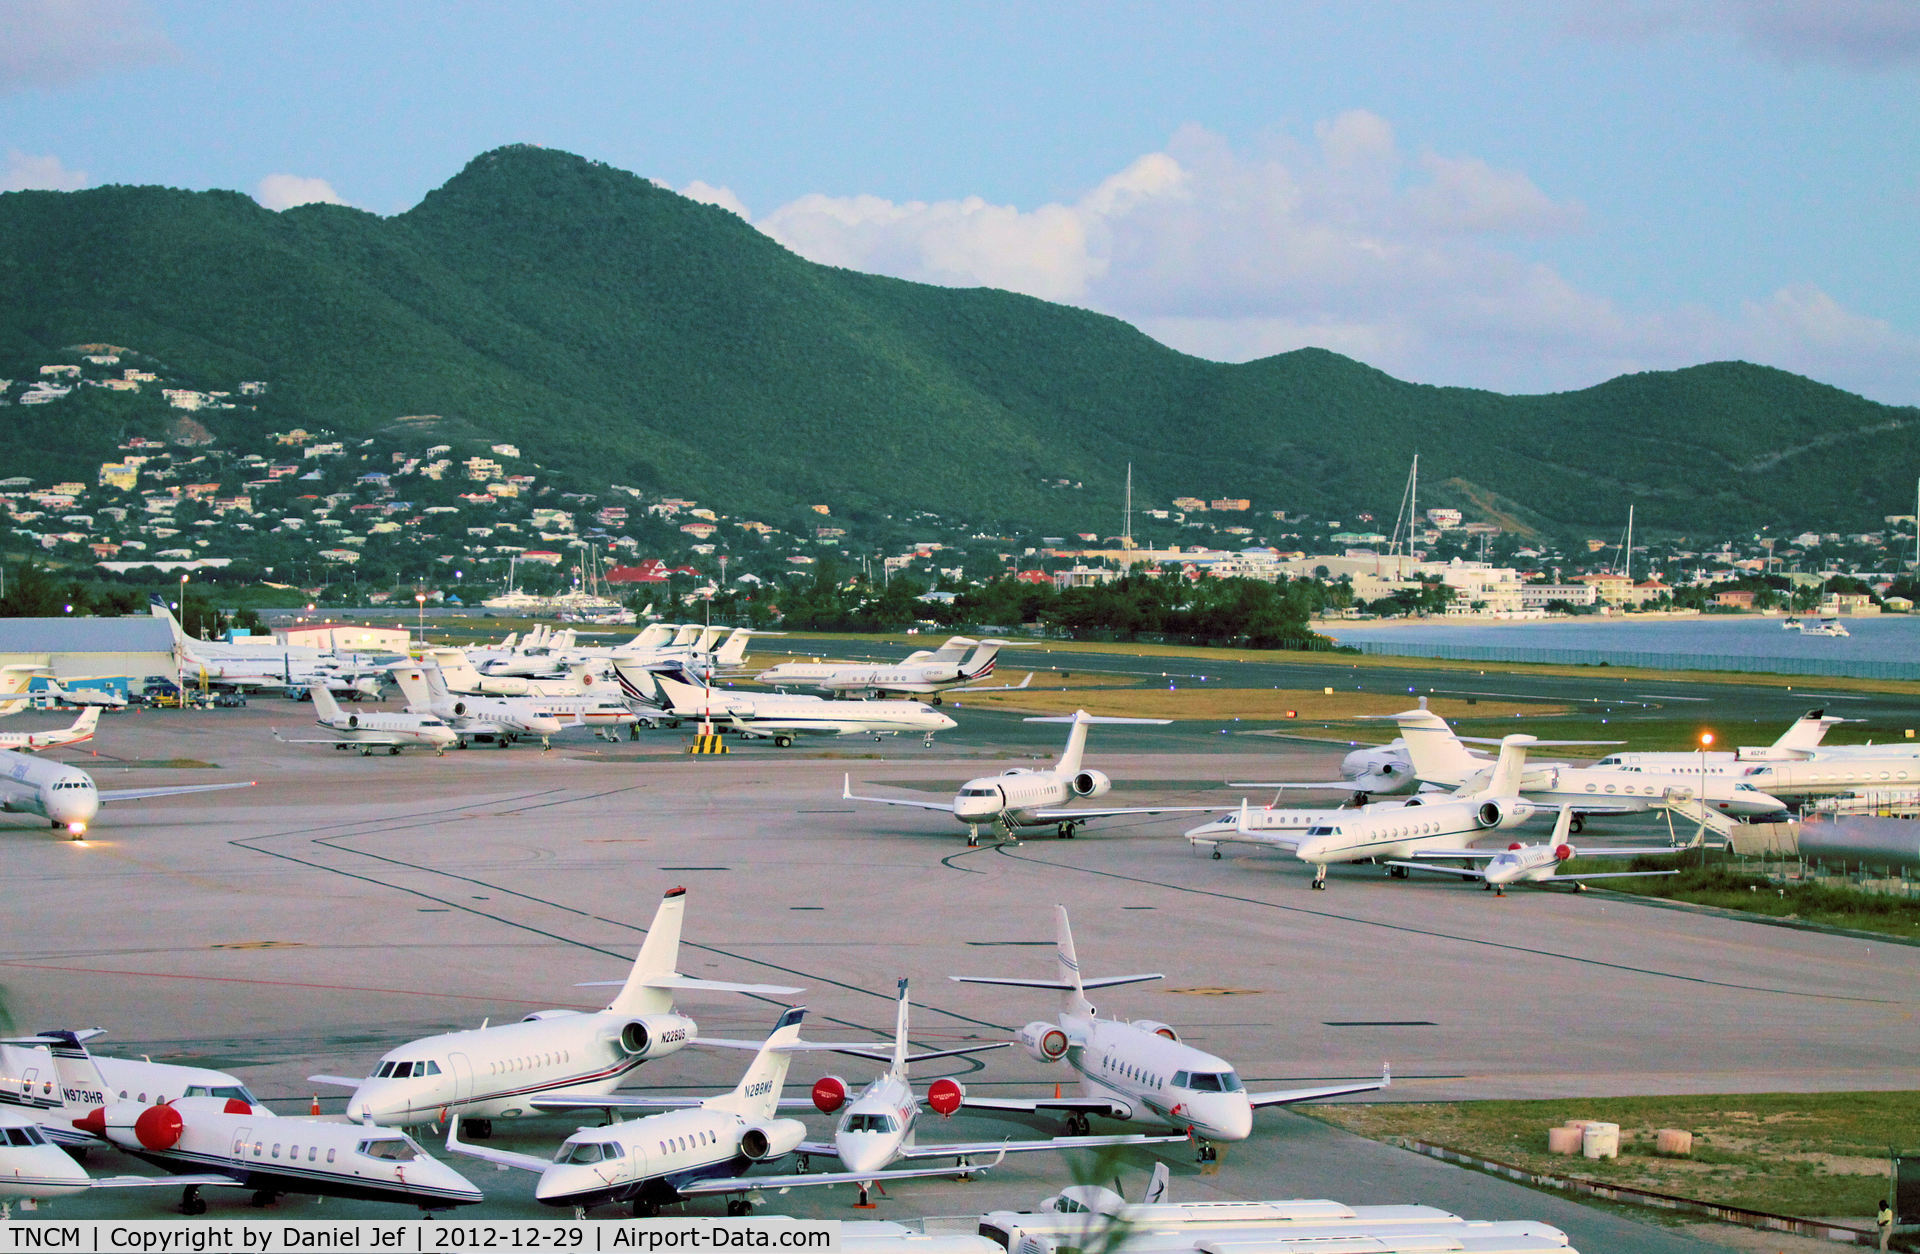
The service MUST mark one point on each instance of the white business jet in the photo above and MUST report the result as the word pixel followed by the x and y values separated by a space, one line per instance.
pixel 80 730
pixel 658 1159
pixel 15 678
pixel 780 718
pixel 809 674
pixel 494 1072
pixel 1440 758
pixel 1382 829
pixel 66 796
pixel 499 719
pixel 929 677
pixel 1023 797
pixel 1137 1069
pixel 240 1144
pixel 1365 773
pixel 29 1084
pixel 878 1126
pixel 1533 864
pixel 373 730
pixel 104 698
pixel 34 1168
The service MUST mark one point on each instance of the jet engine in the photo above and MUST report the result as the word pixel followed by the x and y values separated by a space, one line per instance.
pixel 945 1095
pixel 1503 813
pixel 1090 784
pixel 1562 853
pixel 762 1141
pixel 1045 1041
pixel 653 1036
pixel 829 1094
pixel 1157 1028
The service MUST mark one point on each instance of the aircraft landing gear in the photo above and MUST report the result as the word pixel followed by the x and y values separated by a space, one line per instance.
pixel 782 742
pixel 1216 853
pixel 477 1129
pixel 1320 877
pixel 393 751
pixel 1578 825
pixel 973 835
pixel 263 1198
pixel 1499 890
pixel 191 1203
pixel 1204 1152
pixel 366 751
pixel 1066 830
pixel 645 1208
pixel 934 699
pixel 1077 1124
pixel 737 1206
pixel 866 1199
pixel 579 1212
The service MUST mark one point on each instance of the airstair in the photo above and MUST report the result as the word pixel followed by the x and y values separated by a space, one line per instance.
pixel 1746 839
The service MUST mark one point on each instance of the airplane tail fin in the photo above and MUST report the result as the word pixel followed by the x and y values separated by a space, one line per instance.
pixel 83 1093
pixel 1074 1000
pixel 636 685
pixel 1436 753
pixel 734 651
pixel 980 664
pixel 953 650
pixel 1563 827
pixel 413 685
pixel 658 959
pixel 1512 764
pixel 1807 731
pixel 325 708
pixel 456 671
pixel 1076 744
pixel 14 681
pixel 435 681
pixel 686 634
pixel 900 1035
pixel 684 698
pixel 88 720
pixel 652 636
pixel 757 1096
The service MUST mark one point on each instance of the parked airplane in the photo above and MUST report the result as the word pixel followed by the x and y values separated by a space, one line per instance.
pixel 878 1126
pixel 658 1159
pixel 32 1167
pixel 499 719
pixel 230 1137
pixel 1800 741
pixel 810 674
pixel 1372 771
pixel 14 680
pixel 1027 798
pixel 1383 829
pixel 81 729
pixel 374 730
pixel 29 1084
pixel 66 796
pixel 264 663
pixel 932 675
pixel 1440 758
pixel 1533 864
pixel 104 698
pixel 780 718
pixel 1137 1069
pixel 494 1072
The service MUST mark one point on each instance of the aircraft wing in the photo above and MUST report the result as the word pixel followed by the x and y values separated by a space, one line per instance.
pixel 340 1080
pixel 847 794
pixel 619 1101
pixel 1022 1147
pixel 135 794
pixel 1464 872
pixel 690 984
pixel 1606 875
pixel 1469 854
pixel 1286 1097
pixel 998 688
pixel 151 1182
pixel 1287 841
pixel 1029 1106
pixel 1050 816
pixel 371 738
pixel 502 1158
pixel 744 1184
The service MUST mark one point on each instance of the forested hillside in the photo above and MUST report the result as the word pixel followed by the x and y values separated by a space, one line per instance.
pixel 623 333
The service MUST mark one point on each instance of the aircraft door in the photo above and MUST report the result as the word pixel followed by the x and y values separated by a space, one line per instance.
pixel 240 1136
pixel 462 1069
pixel 26 1081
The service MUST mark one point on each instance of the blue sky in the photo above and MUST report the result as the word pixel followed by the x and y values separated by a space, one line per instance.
pixel 1520 196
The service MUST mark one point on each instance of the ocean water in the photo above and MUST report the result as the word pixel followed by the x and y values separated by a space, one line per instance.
pixel 1881 646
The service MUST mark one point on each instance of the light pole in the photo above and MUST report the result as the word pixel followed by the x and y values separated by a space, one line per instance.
pixel 420 600
pixel 1706 742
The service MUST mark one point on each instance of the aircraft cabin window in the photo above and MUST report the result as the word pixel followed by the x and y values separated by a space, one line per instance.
pixel 313 1152
pixel 329 1155
pixel 143 1097
pixel 276 1150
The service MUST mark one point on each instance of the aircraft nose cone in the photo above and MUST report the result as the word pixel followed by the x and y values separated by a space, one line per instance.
pixel 944 722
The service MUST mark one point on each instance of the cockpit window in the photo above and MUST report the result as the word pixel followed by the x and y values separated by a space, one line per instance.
pixel 581 1152
pixel 976 792
pixel 389 1149
pixel 22 1136
pixel 871 1123
pixel 1323 831
pixel 1216 1082
pixel 229 1091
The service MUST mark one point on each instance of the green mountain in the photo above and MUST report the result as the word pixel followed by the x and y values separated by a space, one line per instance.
pixel 623 333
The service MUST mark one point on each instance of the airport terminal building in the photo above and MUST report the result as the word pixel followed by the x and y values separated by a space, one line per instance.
pixel 133 647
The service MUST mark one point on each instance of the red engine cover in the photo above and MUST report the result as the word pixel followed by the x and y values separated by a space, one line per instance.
pixel 944 1096
pixel 235 1106
pixel 1563 852
pixel 159 1127
pixel 1515 845
pixel 829 1094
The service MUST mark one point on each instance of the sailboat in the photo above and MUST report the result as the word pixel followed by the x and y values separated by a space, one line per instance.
pixel 585 602
pixel 514 601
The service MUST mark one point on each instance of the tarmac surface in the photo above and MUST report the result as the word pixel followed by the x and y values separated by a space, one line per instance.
pixel 349 904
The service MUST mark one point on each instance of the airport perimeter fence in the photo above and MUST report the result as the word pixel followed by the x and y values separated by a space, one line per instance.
pixel 1840 668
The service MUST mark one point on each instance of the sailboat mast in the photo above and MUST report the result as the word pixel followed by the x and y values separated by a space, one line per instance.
pixel 1629 545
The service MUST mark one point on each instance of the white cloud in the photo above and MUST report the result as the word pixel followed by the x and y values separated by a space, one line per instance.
pixel 707 194
pixel 1415 263
pixel 284 191
pixel 25 172
pixel 53 43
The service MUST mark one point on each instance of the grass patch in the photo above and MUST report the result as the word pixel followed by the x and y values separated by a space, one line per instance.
pixel 1725 886
pixel 1807 1154
pixel 1204 702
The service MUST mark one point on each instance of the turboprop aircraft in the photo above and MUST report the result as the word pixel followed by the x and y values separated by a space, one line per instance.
pixel 29 1084
pixel 1137 1069
pixel 664 1158
pixel 66 796
pixel 499 719
pixel 229 1138
pixel 1383 829
pixel 494 1072
pixel 1533 864
pixel 373 730
pixel 780 718
pixel 1027 798
pixel 81 729
pixel 878 1126
pixel 1440 758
